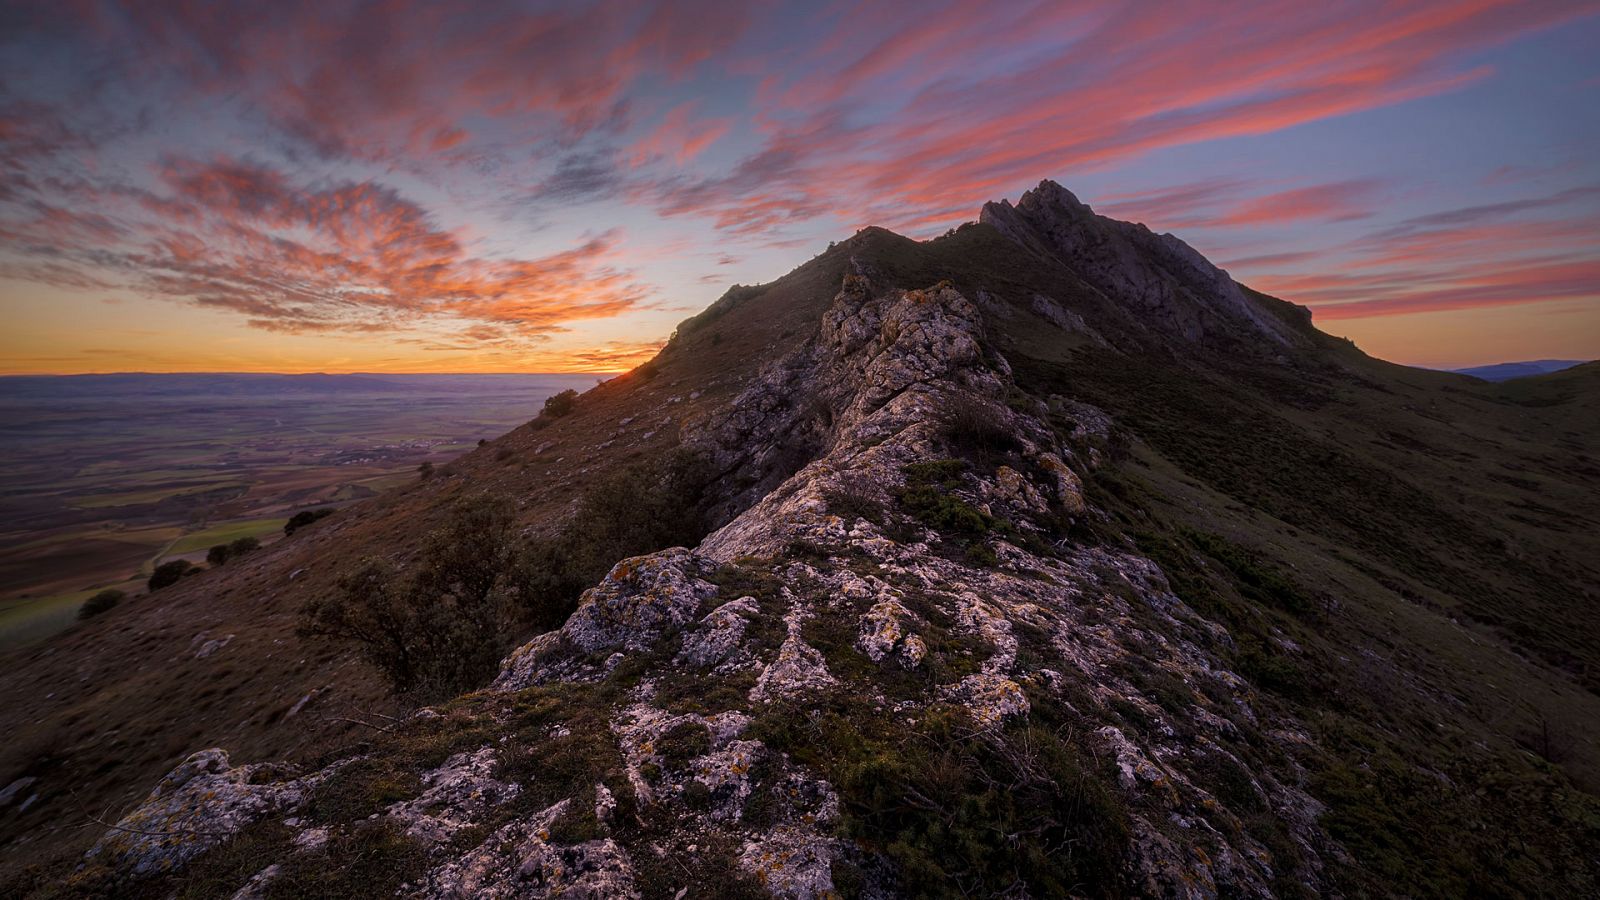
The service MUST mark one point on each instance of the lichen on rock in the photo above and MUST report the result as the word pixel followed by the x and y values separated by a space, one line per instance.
pixel 199 804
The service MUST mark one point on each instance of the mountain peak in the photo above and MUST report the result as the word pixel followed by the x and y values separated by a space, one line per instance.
pixel 1162 285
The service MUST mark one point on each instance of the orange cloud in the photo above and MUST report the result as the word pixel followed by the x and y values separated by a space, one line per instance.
pixel 354 257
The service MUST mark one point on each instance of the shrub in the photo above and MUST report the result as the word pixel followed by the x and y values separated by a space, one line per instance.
pixel 982 555
pixel 560 404
pixel 425 471
pixel 243 545
pixel 636 510
pixel 853 499
pixel 169 573
pixel 217 555
pixel 443 629
pixel 960 812
pixel 944 472
pixel 976 430
pixel 303 518
pixel 944 512
pixel 100 602
pixel 1258 579
pixel 683 742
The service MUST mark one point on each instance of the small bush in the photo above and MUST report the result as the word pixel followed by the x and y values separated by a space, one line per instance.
pixel 425 471
pixel 961 813
pixel 978 431
pixel 683 743
pixel 243 546
pixel 561 404
pixel 943 472
pixel 303 518
pixel 1258 579
pixel 982 555
pixel 636 510
pixel 170 572
pixel 370 859
pixel 217 555
pixel 443 629
pixel 853 499
pixel 944 512
pixel 100 602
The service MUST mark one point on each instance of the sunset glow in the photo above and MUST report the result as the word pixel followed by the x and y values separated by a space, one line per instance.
pixel 478 187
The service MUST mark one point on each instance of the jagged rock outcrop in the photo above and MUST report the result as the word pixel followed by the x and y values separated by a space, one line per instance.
pixel 886 553
pixel 198 805
pixel 1162 283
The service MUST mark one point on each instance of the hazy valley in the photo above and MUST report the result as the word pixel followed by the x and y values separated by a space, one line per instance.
pixel 106 476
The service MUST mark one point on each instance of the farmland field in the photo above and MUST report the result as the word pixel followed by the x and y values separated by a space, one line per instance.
pixel 104 476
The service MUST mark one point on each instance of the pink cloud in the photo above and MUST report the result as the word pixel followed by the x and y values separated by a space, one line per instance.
pixel 951 128
pixel 679 136
pixel 347 256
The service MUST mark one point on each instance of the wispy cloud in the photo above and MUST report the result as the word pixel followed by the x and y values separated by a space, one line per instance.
pixel 378 168
pixel 240 236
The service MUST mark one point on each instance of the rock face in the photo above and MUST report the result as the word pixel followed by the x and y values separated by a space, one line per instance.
pixel 1164 284
pixel 200 804
pixel 889 577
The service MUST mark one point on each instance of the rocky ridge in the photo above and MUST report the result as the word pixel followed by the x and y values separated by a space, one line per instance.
pixel 902 583
pixel 1161 284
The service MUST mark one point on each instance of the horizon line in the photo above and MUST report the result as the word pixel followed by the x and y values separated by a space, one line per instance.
pixel 615 372
pixel 611 372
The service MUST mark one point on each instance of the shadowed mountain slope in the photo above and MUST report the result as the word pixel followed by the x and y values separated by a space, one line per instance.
pixel 1042 559
pixel 1510 370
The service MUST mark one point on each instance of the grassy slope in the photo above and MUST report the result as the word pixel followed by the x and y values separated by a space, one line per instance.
pixel 100 712
pixel 225 533
pixel 1452 680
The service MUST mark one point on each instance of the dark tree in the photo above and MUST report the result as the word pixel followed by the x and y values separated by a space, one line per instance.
pixel 561 404
pixel 303 518
pixel 443 629
pixel 100 602
pixel 169 573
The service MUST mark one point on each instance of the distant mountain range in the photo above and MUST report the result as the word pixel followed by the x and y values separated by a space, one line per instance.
pixel 1509 370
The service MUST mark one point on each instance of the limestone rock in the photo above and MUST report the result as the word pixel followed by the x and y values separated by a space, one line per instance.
pixel 454 795
pixel 197 806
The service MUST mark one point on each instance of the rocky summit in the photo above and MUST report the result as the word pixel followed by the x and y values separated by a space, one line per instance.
pixel 1045 560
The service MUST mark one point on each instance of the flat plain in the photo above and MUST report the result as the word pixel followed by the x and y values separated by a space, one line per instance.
pixel 103 477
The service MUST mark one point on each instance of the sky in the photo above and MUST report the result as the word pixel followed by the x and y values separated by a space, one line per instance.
pixel 484 186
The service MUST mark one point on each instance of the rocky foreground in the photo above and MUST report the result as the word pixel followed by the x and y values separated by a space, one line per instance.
pixel 914 606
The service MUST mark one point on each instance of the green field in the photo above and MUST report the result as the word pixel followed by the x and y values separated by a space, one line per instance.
pixel 156 495
pixel 27 620
pixel 223 534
